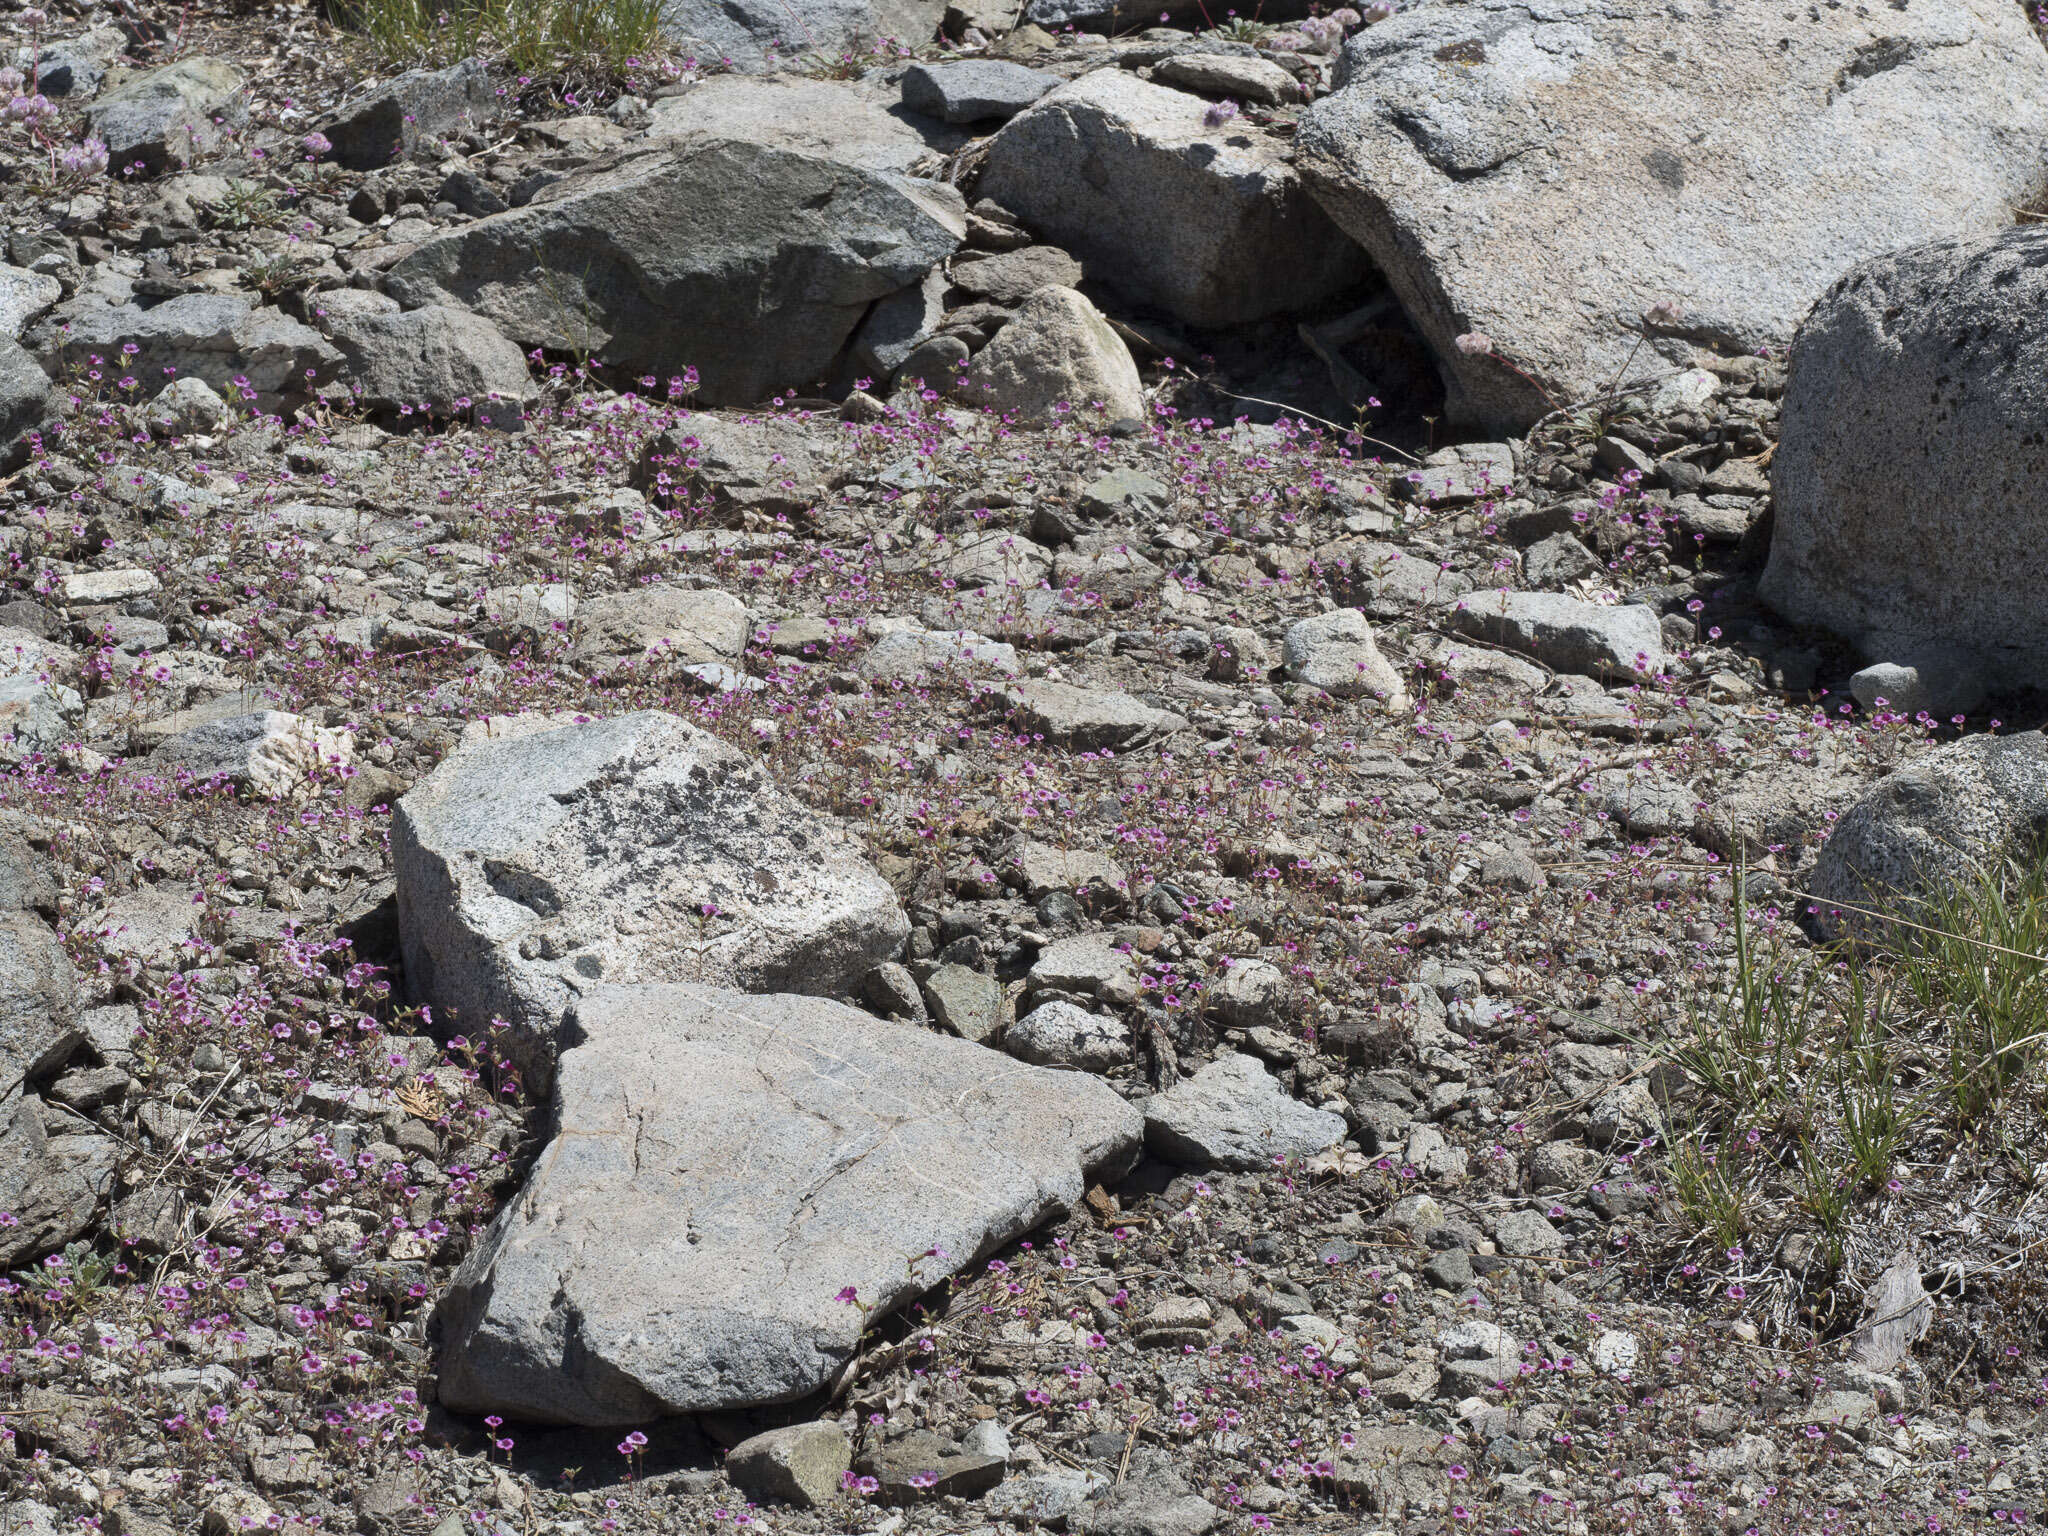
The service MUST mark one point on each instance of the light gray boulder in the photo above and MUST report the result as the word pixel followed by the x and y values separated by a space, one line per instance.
pixel 1337 653
pixel 1211 225
pixel 1563 633
pixel 736 1186
pixel 1058 1034
pixel 682 626
pixel 905 655
pixel 1911 434
pixel 749 263
pixel 166 118
pixel 546 855
pixel 1057 350
pixel 414 111
pixel 1942 820
pixel 437 357
pixel 1087 719
pixel 797 1464
pixel 1490 153
pixel 1233 1114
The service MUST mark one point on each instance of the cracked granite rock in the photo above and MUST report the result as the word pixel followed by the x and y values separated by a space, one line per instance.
pixel 548 854
pixel 723 1168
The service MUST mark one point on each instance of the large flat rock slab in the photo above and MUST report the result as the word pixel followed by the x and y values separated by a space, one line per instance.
pixel 1543 175
pixel 546 855
pixel 723 1167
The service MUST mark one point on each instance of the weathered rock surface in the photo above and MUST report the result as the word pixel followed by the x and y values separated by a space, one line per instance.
pixel 1232 1114
pixel 1486 152
pixel 216 338
pixel 751 264
pixel 1944 820
pixel 1564 633
pixel 25 400
pixel 545 855
pixel 846 121
pixel 1057 350
pixel 1912 430
pixel 1212 225
pixel 724 1169
pixel 975 90
pixel 165 118
pixel 753 35
pixel 1061 1035
pixel 1336 652
pixel 661 625
pixel 268 752
pixel 411 112
pixel 23 296
pixel 796 1464
pixel 438 357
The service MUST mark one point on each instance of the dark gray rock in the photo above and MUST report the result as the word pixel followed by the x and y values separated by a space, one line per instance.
pixel 751 264
pixel 974 91
pixel 437 357
pixel 412 112
pixel 167 117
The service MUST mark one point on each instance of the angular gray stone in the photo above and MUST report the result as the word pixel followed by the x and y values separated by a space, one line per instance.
pixel 432 357
pixel 165 118
pixel 1086 719
pixel 1212 225
pixel 751 264
pixel 1944 819
pixel 1336 652
pixel 754 35
pixel 1233 1114
pixel 1059 1034
pixel 894 327
pixel 23 296
pixel 849 121
pixel 1911 432
pixel 1941 681
pixel 1563 633
pixel 906 654
pixel 1010 277
pixel 267 752
pixel 415 111
pixel 723 1169
pixel 964 1000
pixel 26 401
pixel 1056 351
pixel 1558 561
pixel 975 90
pixel 213 337
pixel 796 1464
pixel 1486 152
pixel 1226 75
pixel 52 1186
pixel 544 856
pixel 682 626
pixel 37 994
